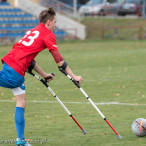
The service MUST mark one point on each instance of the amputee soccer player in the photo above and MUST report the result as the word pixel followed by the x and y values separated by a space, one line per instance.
pixel 20 57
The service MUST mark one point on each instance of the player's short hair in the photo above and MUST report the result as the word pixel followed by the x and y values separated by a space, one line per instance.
pixel 46 15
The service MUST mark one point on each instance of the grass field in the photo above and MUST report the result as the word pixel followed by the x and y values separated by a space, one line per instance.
pixel 96 24
pixel 113 71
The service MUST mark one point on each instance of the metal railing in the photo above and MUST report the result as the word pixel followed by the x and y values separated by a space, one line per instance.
pixel 60 7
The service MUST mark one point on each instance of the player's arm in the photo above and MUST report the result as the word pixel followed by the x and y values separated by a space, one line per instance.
pixel 61 63
pixel 42 73
pixel 50 42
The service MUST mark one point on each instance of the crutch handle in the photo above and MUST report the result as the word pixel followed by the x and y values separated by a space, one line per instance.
pixel 47 78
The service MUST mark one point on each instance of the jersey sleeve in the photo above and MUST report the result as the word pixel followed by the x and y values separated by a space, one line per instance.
pixel 50 42
pixel 56 55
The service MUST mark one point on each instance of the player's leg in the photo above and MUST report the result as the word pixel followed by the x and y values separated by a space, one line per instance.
pixel 9 78
pixel 20 95
pixel 19 115
pixel 21 101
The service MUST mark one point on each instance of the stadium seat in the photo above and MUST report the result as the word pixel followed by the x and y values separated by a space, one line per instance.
pixel 21 28
pixel 10 10
pixel 4 4
pixel 15 15
pixel 20 22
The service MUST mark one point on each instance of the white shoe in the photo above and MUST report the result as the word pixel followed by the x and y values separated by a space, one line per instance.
pixel 20 142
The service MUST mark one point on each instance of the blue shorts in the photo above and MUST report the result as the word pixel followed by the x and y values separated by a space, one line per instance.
pixel 9 78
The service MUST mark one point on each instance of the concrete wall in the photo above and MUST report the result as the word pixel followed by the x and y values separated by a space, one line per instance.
pixel 63 22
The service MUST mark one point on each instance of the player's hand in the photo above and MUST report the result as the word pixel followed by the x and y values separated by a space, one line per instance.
pixel 78 79
pixel 49 77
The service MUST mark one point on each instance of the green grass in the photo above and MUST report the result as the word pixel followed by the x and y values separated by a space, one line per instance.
pixel 113 71
pixel 95 26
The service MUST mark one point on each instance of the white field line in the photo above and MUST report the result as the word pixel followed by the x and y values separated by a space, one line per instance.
pixel 70 102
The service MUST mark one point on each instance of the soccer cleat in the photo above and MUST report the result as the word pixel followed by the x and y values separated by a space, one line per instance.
pixel 20 142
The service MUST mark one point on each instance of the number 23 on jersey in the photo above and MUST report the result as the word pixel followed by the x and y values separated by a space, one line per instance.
pixel 31 36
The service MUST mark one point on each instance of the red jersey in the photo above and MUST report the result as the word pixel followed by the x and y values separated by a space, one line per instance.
pixel 24 51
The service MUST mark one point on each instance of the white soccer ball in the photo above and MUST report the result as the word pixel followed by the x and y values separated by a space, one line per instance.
pixel 139 127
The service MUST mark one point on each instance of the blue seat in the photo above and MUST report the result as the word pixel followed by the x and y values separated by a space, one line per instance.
pixel 2 35
pixel 4 4
pixel 59 32
pixel 12 35
pixel 15 15
pixel 10 10
pixel 20 28
pixel 19 22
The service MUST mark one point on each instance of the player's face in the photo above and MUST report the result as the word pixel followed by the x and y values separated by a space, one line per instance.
pixel 51 24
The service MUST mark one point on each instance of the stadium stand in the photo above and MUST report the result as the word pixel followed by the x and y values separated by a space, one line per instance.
pixel 14 23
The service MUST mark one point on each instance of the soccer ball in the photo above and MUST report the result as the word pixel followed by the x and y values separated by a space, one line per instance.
pixel 139 127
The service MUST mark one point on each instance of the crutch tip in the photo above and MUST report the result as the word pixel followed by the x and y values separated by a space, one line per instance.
pixel 119 136
pixel 84 132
